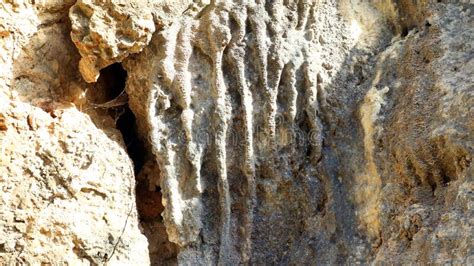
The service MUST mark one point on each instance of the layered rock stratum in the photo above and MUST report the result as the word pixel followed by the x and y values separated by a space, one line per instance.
pixel 236 132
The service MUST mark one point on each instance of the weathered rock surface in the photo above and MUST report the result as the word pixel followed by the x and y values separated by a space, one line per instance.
pixel 285 132
pixel 425 141
pixel 67 183
pixel 306 131
pixel 64 199
pixel 106 32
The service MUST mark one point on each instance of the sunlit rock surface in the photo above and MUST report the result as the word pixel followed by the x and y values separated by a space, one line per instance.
pixel 67 183
pixel 262 132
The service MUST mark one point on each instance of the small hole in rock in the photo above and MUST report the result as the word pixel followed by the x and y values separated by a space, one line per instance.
pixel 404 32
pixel 111 83
pixel 109 94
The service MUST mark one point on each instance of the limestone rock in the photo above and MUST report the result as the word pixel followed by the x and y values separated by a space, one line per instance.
pixel 106 32
pixel 67 183
pixel 64 198
pixel 427 143
pixel 270 132
pixel 272 125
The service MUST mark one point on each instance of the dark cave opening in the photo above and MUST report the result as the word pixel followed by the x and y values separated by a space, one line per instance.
pixel 109 86
pixel 404 32
pixel 114 99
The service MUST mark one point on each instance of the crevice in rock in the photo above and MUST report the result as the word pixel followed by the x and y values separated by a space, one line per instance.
pixel 114 99
pixel 126 123
pixel 109 96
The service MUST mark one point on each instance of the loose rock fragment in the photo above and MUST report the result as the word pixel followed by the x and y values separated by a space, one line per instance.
pixel 106 32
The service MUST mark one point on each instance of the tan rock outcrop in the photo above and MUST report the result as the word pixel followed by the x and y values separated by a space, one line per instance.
pixel 64 198
pixel 272 132
pixel 67 183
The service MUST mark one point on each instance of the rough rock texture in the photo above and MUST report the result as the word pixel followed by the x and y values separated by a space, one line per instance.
pixel 306 131
pixel 64 199
pixel 106 32
pixel 425 143
pixel 267 132
pixel 67 183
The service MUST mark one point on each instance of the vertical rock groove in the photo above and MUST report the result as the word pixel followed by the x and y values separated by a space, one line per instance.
pixel 218 39
pixel 267 124
pixel 266 66
pixel 236 57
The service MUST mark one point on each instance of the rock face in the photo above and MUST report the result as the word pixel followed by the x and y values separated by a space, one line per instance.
pixel 107 32
pixel 63 198
pixel 263 132
pixel 67 183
